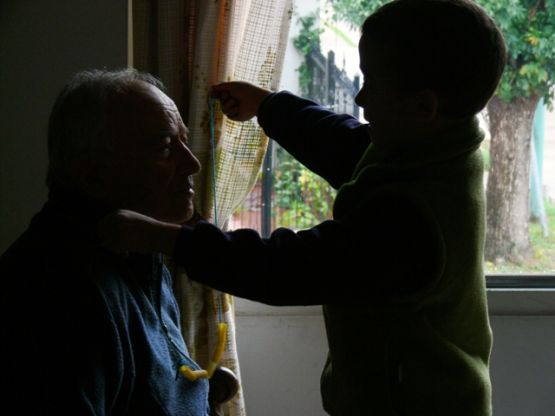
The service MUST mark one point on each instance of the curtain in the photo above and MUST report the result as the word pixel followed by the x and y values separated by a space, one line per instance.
pixel 191 45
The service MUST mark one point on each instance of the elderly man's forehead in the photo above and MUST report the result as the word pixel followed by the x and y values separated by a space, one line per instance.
pixel 144 111
pixel 141 95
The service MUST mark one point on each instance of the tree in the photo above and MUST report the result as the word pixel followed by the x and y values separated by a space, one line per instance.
pixel 529 30
pixel 354 12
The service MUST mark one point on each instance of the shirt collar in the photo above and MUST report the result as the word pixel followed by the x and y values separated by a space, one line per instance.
pixel 443 146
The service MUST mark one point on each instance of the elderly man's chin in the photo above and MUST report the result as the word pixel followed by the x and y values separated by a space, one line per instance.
pixel 178 210
pixel 179 213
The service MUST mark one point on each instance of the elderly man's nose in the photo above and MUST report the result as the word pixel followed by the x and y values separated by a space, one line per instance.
pixel 188 162
pixel 195 164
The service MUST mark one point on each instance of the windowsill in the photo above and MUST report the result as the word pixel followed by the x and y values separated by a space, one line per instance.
pixel 520 281
pixel 245 307
pixel 521 295
pixel 508 295
pixel 521 301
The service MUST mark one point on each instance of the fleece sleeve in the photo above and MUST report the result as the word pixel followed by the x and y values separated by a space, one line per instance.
pixel 327 143
pixel 390 251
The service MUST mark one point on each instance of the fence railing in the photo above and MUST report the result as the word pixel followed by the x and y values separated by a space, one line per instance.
pixel 287 194
pixel 330 85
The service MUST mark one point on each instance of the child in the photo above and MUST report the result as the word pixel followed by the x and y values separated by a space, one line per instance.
pixel 399 268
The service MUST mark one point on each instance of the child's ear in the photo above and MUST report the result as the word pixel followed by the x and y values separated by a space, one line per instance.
pixel 423 105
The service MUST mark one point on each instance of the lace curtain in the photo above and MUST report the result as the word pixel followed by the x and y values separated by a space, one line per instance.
pixel 191 45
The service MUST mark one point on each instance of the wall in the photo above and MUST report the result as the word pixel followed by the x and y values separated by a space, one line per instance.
pixel 282 351
pixel 293 58
pixel 42 43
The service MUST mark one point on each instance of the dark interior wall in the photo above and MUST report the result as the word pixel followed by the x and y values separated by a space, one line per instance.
pixel 42 43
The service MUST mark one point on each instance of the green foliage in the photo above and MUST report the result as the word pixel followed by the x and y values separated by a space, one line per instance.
pixel 354 12
pixel 307 41
pixel 302 199
pixel 348 40
pixel 305 78
pixel 529 29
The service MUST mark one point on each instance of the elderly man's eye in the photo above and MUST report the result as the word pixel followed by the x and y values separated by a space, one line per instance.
pixel 166 147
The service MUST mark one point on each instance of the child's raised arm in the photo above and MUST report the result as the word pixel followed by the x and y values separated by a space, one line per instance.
pixel 327 143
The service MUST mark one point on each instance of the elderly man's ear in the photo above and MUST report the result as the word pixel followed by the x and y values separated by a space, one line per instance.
pixel 89 180
pixel 96 188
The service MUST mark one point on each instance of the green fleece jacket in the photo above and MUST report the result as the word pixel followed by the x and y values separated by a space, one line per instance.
pixel 398 271
pixel 426 353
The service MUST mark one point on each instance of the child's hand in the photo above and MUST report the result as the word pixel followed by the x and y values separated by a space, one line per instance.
pixel 196 217
pixel 128 231
pixel 239 100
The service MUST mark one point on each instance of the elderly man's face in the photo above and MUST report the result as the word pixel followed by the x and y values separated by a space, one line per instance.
pixel 151 166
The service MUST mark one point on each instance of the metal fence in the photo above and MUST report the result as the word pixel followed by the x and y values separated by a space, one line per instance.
pixel 286 194
pixel 330 85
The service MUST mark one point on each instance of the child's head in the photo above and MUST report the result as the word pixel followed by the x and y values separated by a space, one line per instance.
pixel 445 53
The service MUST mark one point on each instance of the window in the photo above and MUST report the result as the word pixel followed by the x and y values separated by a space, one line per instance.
pixel 322 63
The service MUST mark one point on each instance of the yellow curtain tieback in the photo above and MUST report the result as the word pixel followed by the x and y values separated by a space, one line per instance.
pixel 193 375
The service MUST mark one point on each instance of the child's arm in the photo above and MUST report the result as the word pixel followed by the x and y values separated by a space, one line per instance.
pixel 128 231
pixel 390 251
pixel 327 143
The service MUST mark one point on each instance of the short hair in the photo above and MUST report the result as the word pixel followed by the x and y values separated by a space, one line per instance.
pixel 449 46
pixel 79 117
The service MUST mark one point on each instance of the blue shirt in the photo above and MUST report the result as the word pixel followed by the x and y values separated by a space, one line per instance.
pixel 87 332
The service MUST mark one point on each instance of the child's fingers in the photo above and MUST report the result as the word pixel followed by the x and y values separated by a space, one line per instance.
pixel 229 104
pixel 239 100
pixel 227 100
pixel 224 96
pixel 231 108
pixel 233 113
pixel 220 90
pixel 217 88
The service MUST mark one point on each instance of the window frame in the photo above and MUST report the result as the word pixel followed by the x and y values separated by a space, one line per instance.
pixel 537 281
pixel 521 295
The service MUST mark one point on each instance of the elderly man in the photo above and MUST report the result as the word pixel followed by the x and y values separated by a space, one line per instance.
pixel 85 331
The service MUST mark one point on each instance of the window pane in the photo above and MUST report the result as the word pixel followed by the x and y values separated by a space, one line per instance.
pixel 321 63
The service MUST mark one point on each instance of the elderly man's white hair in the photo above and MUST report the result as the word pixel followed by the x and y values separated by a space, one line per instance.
pixel 76 130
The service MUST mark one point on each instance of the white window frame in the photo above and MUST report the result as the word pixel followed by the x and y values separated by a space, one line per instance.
pixel 508 295
pixel 521 295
